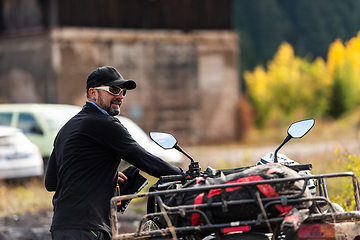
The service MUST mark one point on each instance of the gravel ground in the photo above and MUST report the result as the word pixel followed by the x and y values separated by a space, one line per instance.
pixel 35 226
pixel 31 226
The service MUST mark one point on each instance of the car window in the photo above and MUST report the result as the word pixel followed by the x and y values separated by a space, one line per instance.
pixel 6 141
pixel 27 123
pixel 18 139
pixel 5 119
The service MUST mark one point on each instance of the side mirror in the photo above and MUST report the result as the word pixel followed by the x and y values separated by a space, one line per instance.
pixel 164 140
pixel 296 130
pixel 299 129
pixel 168 141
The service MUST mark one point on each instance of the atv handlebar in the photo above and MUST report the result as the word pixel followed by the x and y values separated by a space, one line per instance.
pixel 183 177
pixel 172 178
pixel 300 167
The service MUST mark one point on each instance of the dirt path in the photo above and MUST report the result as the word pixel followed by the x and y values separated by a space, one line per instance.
pixel 296 150
pixel 25 227
pixel 35 226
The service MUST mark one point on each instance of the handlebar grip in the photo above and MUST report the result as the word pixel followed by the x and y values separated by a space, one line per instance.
pixel 300 167
pixel 171 178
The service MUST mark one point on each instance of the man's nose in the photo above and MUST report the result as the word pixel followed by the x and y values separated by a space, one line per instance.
pixel 120 96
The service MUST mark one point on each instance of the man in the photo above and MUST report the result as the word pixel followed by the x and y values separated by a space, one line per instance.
pixel 83 167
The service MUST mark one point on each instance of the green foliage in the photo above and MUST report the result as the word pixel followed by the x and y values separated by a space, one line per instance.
pixel 262 28
pixel 343 68
pixel 338 103
pixel 309 26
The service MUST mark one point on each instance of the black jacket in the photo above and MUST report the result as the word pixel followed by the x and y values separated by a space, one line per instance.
pixel 83 168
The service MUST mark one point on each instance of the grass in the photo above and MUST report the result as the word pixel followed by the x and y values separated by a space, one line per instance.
pixel 27 195
pixel 17 198
pixel 347 127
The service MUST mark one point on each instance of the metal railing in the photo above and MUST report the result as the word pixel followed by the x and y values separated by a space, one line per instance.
pixel 183 210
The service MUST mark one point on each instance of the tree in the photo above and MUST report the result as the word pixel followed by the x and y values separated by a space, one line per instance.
pixel 309 26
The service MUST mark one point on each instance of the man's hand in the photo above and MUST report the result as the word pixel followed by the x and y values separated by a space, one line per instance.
pixel 122 177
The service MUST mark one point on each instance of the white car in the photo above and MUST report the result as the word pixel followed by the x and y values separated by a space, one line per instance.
pixel 172 156
pixel 19 157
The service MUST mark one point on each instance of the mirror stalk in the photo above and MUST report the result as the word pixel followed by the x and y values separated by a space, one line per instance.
pixel 288 137
pixel 177 147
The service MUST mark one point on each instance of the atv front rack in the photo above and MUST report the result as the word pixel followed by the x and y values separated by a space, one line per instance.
pixel 262 219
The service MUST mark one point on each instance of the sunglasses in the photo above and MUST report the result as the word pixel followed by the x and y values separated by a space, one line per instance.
pixel 113 90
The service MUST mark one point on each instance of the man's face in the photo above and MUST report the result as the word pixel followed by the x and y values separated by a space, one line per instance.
pixel 109 102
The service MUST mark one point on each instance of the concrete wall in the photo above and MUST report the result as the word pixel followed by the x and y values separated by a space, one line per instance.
pixel 26 72
pixel 187 82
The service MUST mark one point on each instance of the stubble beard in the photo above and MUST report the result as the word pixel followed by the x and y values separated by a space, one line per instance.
pixel 110 110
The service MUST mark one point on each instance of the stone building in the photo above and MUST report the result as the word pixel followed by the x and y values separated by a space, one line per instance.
pixel 186 70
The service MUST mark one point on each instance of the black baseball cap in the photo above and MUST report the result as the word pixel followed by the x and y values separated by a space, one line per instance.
pixel 108 76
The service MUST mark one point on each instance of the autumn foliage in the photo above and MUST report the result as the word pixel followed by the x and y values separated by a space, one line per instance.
pixel 293 87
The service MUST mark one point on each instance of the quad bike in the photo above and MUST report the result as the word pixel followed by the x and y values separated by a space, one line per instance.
pixel 275 199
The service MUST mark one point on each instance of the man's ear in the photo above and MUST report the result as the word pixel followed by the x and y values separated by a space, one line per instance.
pixel 92 93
